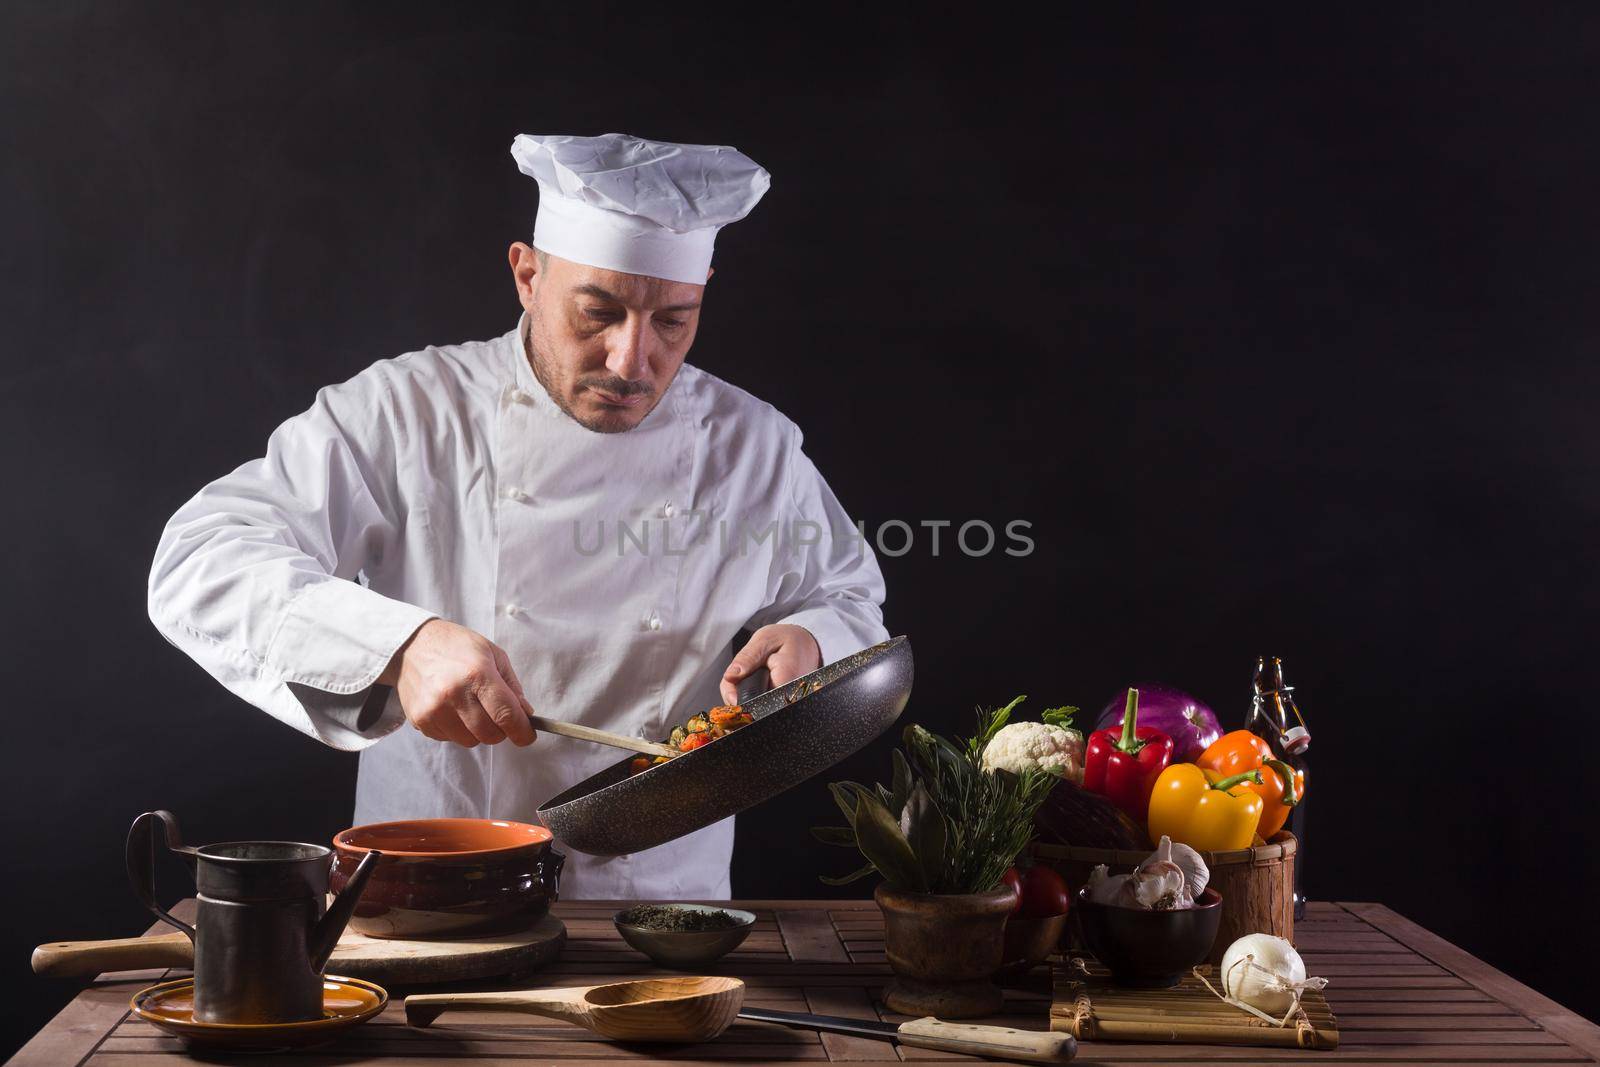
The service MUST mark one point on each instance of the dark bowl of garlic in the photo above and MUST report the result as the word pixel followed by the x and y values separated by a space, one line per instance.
pixel 1150 948
pixel 1151 927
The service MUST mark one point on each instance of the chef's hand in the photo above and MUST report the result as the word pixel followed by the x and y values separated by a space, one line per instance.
pixel 787 652
pixel 457 685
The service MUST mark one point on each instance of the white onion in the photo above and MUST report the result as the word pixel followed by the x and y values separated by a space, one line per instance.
pixel 1264 972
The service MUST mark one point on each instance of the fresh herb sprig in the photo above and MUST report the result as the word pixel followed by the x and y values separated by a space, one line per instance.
pixel 943 825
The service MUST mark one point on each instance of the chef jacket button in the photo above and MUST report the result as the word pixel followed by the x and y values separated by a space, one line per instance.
pixel 510 609
pixel 511 492
pixel 518 396
pixel 654 622
pixel 666 510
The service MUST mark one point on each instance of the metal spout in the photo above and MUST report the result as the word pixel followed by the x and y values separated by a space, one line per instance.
pixel 325 935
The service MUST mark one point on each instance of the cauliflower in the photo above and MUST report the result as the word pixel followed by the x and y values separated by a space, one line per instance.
pixel 1039 745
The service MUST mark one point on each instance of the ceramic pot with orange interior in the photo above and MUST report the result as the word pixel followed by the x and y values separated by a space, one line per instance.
pixel 446 878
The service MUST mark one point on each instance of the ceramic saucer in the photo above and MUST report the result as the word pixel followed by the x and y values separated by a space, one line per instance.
pixel 345 1003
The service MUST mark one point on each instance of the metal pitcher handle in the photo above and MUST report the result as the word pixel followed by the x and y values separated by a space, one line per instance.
pixel 142 862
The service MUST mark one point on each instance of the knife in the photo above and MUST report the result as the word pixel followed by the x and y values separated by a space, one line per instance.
pixel 994 1042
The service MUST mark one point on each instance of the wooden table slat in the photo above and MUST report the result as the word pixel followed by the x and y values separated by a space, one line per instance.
pixel 1566 1024
pixel 810 936
pixel 852 1004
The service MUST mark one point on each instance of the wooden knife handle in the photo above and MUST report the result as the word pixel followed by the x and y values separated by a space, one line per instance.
pixel 995 1042
pixel 62 959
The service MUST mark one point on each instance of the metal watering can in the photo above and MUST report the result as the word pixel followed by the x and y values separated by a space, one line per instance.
pixel 261 937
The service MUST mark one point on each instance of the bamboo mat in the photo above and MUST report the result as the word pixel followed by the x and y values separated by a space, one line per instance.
pixel 1090 1007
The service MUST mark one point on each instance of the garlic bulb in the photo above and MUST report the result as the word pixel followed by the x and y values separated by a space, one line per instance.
pixel 1163 882
pixel 1160 884
pixel 1104 887
pixel 1196 875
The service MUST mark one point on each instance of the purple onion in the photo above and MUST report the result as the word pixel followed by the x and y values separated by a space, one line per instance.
pixel 1191 725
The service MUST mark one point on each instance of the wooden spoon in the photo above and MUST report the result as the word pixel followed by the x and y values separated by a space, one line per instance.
pixel 698 1009
pixel 655 1009
pixel 602 737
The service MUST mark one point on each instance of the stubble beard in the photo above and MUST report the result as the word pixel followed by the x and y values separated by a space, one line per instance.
pixel 602 423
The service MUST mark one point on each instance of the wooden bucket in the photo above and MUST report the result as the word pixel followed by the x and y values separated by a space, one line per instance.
pixel 1257 884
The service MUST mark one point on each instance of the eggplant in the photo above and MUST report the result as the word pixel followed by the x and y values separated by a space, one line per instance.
pixel 1077 818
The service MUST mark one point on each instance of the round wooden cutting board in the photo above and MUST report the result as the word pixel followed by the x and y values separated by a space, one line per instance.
pixel 393 962
pixel 387 962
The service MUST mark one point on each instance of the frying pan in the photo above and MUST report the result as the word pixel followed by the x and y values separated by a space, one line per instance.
pixel 800 729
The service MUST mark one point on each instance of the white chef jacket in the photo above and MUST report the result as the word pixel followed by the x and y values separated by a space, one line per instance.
pixel 614 569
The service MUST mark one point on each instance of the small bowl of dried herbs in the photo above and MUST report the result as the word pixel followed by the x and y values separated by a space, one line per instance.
pixel 683 935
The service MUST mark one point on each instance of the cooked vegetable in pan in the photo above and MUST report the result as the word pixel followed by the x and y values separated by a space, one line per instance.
pixel 699 730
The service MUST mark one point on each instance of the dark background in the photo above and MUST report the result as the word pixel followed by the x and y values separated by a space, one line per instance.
pixel 1278 328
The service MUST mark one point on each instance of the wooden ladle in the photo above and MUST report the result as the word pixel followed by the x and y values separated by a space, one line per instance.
pixel 654 1009
pixel 602 737
pixel 698 1009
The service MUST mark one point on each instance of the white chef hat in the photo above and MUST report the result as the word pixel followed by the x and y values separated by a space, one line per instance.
pixel 637 206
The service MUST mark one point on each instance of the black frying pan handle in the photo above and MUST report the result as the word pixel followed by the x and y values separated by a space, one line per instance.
pixel 141 854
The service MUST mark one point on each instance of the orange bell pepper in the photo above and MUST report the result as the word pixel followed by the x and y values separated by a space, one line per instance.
pixel 1281 786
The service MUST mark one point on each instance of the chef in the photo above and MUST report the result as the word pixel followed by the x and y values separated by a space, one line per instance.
pixel 567 520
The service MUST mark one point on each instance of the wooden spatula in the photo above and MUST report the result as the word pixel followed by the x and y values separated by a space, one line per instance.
pixel 698 1009
pixel 654 1009
pixel 602 737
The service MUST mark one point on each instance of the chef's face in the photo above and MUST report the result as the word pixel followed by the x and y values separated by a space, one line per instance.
pixel 605 345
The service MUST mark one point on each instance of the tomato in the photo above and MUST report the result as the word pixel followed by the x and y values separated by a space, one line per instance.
pixel 694 741
pixel 1043 893
pixel 1014 880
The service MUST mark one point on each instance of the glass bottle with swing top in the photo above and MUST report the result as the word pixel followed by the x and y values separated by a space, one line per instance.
pixel 1276 719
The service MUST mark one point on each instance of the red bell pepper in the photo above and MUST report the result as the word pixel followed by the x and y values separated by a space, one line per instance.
pixel 1123 765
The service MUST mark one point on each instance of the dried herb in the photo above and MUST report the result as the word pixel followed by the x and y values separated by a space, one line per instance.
pixel 658 917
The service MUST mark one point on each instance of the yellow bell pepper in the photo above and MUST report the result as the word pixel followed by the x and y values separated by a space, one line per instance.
pixel 1204 810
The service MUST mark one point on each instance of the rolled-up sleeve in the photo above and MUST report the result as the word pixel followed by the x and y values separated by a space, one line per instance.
pixel 827 578
pixel 255 577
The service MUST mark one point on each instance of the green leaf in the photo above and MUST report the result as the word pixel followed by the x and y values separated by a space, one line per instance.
pixel 835 835
pixel 931 753
pixel 844 795
pixel 879 837
pixel 902 784
pixel 989 724
pixel 1061 716
pixel 925 832
pixel 851 877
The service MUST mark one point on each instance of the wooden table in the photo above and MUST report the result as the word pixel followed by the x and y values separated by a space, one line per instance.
pixel 1402 995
